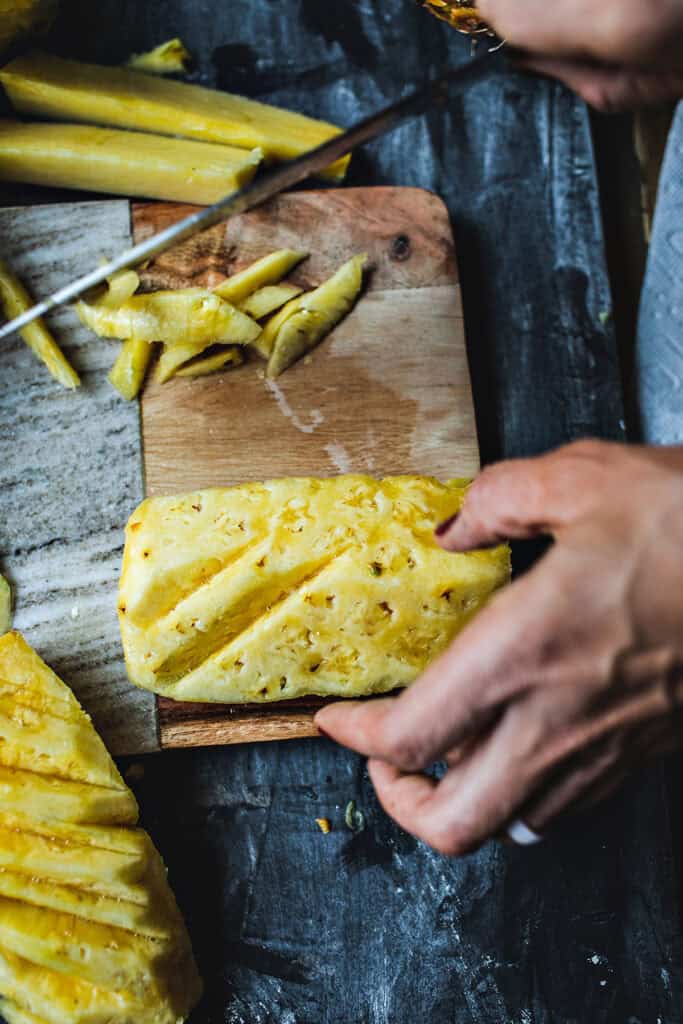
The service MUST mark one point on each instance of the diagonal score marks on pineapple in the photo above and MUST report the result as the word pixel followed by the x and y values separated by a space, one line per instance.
pixel 271 591
pixel 89 929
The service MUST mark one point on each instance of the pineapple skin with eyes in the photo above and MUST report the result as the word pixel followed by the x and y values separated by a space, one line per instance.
pixel 272 591
pixel 89 930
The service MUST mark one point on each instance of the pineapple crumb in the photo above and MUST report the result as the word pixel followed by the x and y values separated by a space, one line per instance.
pixel 324 825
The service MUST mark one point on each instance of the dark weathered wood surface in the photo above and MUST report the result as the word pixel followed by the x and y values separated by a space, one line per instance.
pixel 295 927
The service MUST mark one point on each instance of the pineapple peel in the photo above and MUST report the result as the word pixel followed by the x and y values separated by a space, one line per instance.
pixel 89 929
pixel 272 591
pixel 169 58
pixel 189 316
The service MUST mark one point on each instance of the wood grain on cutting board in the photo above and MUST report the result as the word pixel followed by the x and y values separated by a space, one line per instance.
pixel 388 392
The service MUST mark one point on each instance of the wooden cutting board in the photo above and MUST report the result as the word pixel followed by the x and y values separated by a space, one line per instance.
pixel 388 392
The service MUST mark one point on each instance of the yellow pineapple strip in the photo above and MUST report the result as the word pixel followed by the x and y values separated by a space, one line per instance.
pixel 267 300
pixel 174 358
pixel 266 340
pixel 26 792
pixel 121 286
pixel 169 58
pixel 14 300
pixel 265 271
pixel 190 316
pixel 295 587
pixel 219 361
pixel 315 314
pixel 124 163
pixel 128 372
pixel 47 86
pixel 5 605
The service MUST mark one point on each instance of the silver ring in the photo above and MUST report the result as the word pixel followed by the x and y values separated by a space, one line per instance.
pixel 520 833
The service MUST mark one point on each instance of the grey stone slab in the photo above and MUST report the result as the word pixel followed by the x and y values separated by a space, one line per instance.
pixel 70 474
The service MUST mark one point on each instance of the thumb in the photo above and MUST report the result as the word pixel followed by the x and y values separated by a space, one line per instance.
pixel 522 498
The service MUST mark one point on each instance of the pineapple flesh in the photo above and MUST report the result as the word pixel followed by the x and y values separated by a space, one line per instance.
pixel 271 591
pixel 186 316
pixel 45 86
pixel 89 929
pixel 123 163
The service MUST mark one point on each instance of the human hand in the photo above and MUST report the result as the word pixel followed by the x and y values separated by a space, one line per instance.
pixel 617 54
pixel 568 678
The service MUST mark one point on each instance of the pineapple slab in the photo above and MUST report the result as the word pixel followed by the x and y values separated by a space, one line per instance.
pixel 89 929
pixel 49 87
pixel 271 591
pixel 125 163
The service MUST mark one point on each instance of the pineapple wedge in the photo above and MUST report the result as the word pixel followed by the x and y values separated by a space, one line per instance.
pixel 270 591
pixel 128 372
pixel 89 929
pixel 14 300
pixel 305 321
pixel 211 364
pixel 45 86
pixel 124 163
pixel 178 357
pixel 268 270
pixel 266 300
pixel 5 605
pixel 187 316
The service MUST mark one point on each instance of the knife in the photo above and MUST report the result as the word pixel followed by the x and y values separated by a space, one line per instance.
pixel 433 94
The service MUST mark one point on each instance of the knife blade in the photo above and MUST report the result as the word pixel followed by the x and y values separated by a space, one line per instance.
pixel 434 93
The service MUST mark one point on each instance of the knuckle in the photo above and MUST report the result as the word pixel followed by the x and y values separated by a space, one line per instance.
pixel 401 748
pixel 456 840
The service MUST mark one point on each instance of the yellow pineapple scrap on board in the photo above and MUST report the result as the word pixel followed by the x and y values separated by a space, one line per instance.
pixel 271 591
pixel 89 930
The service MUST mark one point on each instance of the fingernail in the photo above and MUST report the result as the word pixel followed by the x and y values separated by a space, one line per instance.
pixel 446 525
